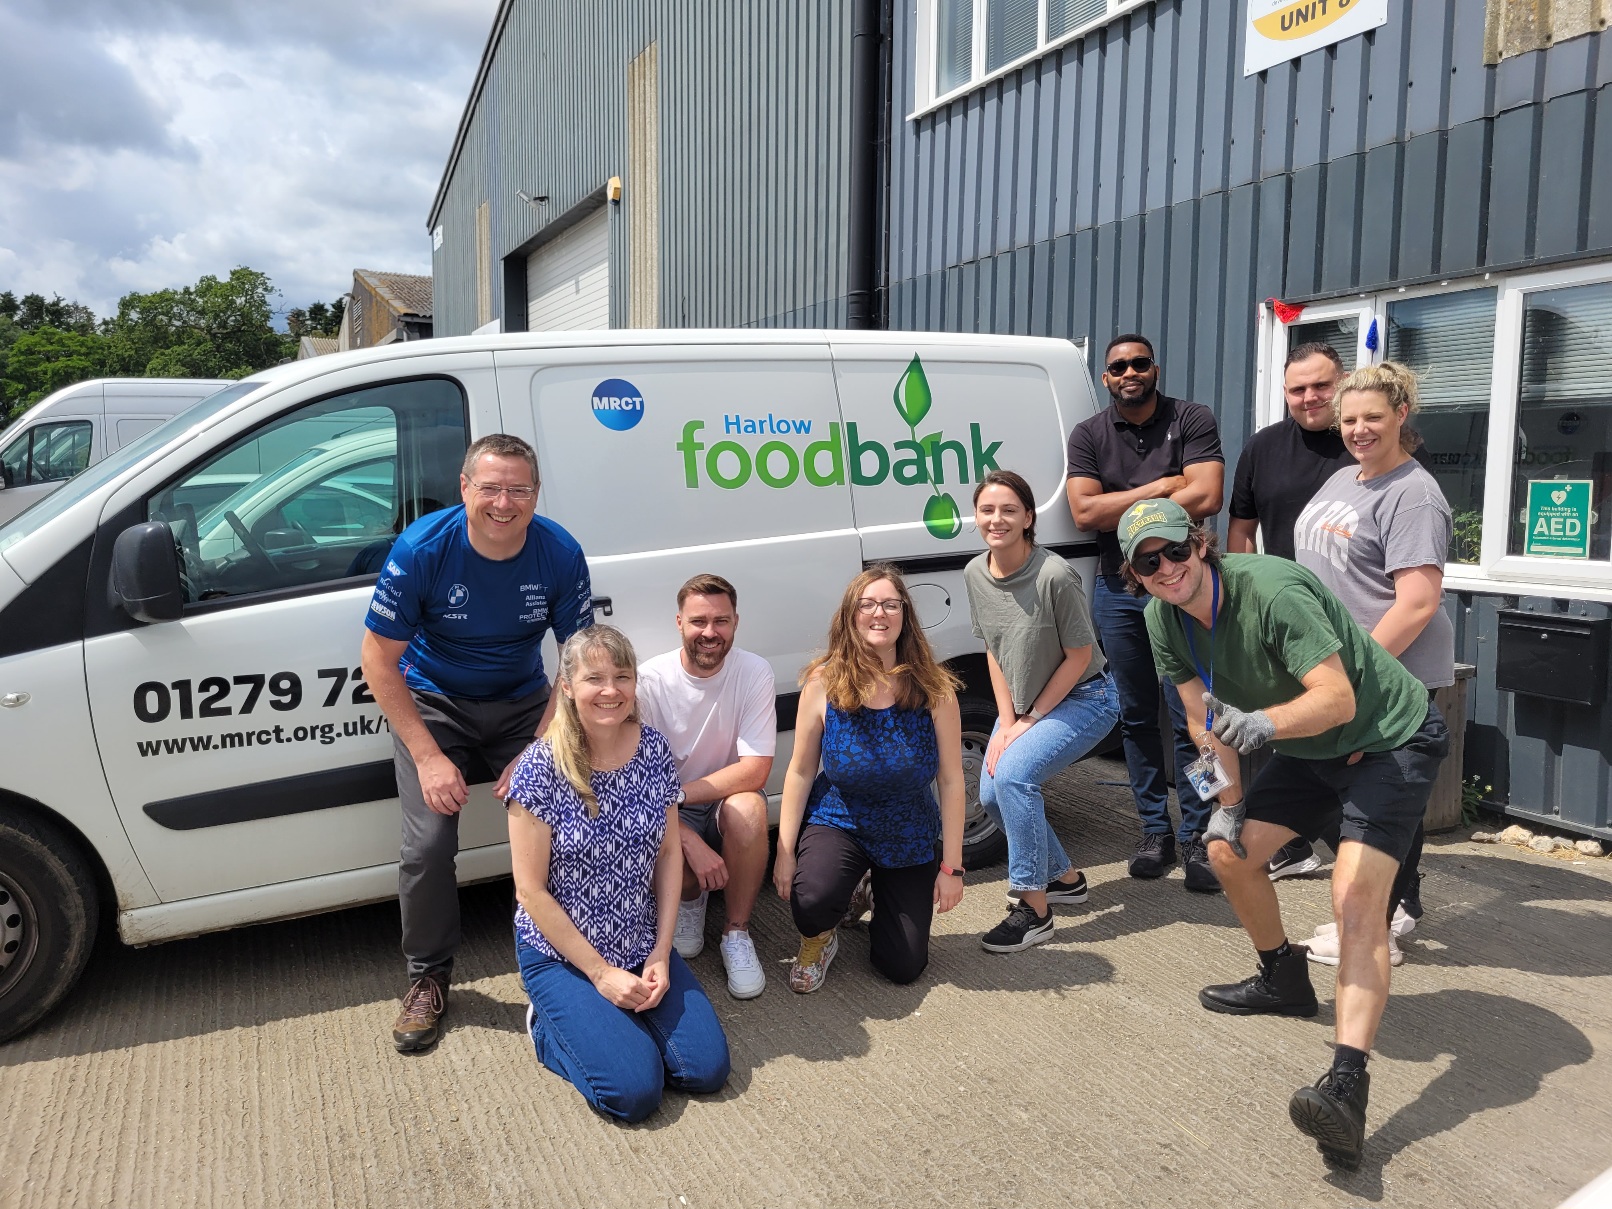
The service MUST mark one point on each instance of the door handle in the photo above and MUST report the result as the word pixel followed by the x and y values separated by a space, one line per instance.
pixel 13 700
pixel 603 604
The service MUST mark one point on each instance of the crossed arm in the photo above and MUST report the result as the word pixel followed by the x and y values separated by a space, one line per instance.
pixel 1199 489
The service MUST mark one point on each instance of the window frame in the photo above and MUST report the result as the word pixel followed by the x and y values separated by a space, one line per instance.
pixel 1496 570
pixel 927 96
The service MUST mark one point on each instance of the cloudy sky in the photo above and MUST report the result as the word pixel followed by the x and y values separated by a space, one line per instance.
pixel 144 143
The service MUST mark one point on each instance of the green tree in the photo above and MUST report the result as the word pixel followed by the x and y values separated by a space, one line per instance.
pixel 217 328
pixel 44 360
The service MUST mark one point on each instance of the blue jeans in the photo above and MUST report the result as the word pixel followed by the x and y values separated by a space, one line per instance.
pixel 1013 796
pixel 1123 631
pixel 619 1060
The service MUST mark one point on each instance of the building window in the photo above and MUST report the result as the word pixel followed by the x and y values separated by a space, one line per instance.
pixel 963 43
pixel 1516 412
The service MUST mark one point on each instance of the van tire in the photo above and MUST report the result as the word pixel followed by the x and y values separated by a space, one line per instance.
pixel 984 843
pixel 48 916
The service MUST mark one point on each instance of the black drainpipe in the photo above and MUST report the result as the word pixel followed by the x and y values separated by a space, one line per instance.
pixel 865 234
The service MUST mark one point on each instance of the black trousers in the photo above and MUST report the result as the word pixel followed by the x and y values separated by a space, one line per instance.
pixel 828 864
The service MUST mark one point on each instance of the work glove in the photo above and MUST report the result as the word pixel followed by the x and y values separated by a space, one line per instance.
pixel 1234 728
pixel 1227 824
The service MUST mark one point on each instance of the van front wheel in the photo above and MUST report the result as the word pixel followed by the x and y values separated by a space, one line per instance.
pixel 984 843
pixel 48 915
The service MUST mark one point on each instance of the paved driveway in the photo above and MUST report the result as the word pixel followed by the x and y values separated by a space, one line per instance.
pixel 255 1067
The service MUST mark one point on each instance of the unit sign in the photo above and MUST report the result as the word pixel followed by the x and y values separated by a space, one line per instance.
pixel 1279 30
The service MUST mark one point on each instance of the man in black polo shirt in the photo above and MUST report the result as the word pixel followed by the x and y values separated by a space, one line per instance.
pixel 1146 445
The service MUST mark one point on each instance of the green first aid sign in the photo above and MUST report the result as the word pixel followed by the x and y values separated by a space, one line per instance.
pixel 1558 518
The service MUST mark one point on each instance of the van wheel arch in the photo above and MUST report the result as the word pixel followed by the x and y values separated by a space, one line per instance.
pixel 51 894
pixel 984 843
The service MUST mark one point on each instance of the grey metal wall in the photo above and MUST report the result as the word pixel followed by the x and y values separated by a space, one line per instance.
pixel 752 104
pixel 1136 180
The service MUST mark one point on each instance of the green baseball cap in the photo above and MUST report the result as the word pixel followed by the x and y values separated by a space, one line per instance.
pixel 1152 518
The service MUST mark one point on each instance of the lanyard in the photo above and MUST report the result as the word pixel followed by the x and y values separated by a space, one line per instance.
pixel 1208 677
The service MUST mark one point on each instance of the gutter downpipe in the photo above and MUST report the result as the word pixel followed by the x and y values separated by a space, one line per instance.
pixel 866 183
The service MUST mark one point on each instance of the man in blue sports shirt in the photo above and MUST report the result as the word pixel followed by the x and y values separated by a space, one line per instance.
pixel 453 656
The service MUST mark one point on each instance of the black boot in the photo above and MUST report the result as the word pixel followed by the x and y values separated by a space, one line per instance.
pixel 1282 990
pixel 1333 1112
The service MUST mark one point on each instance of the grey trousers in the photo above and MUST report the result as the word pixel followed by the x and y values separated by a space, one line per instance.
pixel 427 887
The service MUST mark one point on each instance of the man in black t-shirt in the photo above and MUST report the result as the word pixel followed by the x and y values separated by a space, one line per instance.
pixel 1146 445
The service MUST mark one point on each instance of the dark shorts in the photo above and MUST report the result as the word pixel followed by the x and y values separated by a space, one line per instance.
pixel 1378 801
pixel 700 818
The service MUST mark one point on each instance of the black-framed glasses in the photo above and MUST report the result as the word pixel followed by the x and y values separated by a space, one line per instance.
pixel 517 495
pixel 890 608
pixel 1117 367
pixel 1148 564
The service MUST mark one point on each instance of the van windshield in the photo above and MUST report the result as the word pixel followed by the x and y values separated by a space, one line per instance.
pixel 59 501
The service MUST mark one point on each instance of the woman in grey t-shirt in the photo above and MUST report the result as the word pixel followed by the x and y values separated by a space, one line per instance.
pixel 1055 699
pixel 1377 534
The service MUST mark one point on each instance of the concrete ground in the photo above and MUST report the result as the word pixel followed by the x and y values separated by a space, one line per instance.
pixel 256 1068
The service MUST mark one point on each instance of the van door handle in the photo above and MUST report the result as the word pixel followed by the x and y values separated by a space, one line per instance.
pixel 603 604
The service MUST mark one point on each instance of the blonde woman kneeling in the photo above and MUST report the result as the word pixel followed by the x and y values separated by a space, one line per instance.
pixel 594 843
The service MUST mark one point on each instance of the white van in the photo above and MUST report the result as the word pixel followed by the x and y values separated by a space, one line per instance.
pixel 188 740
pixel 66 432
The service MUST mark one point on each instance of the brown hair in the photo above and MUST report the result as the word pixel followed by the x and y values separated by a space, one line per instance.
pixel 567 741
pixel 500 445
pixel 1395 382
pixel 1014 482
pixel 851 671
pixel 1200 535
pixel 1314 348
pixel 708 585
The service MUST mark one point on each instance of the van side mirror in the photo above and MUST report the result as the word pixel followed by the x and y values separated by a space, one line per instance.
pixel 145 573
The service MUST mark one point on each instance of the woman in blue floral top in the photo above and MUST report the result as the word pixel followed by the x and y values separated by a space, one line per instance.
pixel 882 717
pixel 598 867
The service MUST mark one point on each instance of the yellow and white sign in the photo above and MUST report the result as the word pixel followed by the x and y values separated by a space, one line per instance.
pixel 1279 30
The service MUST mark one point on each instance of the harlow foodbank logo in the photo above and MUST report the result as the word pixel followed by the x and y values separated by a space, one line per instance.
pixel 617 404
pixel 927 460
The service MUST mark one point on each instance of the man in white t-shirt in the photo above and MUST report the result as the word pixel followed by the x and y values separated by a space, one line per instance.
pixel 715 704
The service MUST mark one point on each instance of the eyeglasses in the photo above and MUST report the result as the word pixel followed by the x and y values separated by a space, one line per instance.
pixel 1116 368
pixel 491 491
pixel 890 608
pixel 1148 564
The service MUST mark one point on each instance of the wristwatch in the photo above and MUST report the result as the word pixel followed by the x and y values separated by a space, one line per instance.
pixel 949 871
pixel 1034 714
pixel 682 796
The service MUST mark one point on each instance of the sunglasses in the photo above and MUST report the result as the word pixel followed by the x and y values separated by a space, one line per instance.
pixel 1148 564
pixel 1117 367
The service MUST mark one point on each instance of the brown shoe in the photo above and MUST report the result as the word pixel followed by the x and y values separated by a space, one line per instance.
pixel 418 1025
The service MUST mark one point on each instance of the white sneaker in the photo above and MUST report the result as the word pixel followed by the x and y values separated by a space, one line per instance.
pixel 689 938
pixel 1402 925
pixel 745 977
pixel 1323 947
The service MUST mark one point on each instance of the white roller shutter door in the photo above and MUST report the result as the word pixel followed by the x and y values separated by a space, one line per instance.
pixel 568 279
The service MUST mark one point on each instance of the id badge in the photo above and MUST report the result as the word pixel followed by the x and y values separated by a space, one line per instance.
pixel 1207 774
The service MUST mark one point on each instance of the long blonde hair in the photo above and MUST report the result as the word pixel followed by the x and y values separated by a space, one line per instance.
pixel 851 671
pixel 1395 382
pixel 567 741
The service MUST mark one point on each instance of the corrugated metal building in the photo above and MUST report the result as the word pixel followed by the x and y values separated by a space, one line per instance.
pixel 1438 190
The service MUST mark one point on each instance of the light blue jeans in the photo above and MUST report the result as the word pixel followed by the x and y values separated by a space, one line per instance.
pixel 1013 796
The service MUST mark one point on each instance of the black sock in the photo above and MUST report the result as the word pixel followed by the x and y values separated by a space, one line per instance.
pixel 1269 957
pixel 1346 1058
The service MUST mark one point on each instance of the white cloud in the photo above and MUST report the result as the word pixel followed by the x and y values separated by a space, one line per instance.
pixel 146 143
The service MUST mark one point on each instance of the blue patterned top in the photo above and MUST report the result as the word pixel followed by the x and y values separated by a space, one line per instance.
pixel 875 783
pixel 601 869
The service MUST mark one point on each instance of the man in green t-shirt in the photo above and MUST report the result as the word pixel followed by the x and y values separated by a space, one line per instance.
pixel 1263 653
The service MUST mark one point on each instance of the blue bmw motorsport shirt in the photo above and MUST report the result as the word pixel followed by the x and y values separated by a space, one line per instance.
pixel 474 625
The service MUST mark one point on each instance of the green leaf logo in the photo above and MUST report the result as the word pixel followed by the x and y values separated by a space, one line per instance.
pixel 942 518
pixel 912 394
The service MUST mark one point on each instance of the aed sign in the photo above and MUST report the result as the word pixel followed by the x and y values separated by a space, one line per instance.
pixel 1558 518
pixel 1279 30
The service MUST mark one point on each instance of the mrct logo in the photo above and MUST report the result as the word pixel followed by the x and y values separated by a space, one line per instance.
pixel 921 461
pixel 617 404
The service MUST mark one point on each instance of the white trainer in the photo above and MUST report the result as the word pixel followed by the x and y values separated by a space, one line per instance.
pixel 1402 925
pixel 689 938
pixel 745 977
pixel 1323 947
